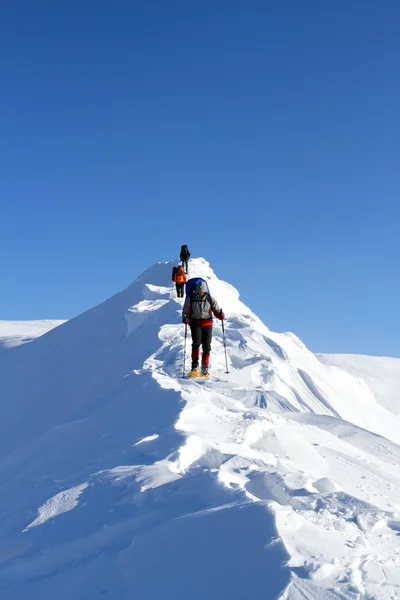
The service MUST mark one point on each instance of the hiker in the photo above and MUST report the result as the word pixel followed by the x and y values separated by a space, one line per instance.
pixel 184 257
pixel 180 280
pixel 197 310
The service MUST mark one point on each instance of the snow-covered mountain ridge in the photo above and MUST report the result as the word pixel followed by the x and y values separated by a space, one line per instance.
pixel 121 479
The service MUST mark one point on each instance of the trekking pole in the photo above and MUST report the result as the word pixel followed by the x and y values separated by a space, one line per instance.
pixel 223 336
pixel 184 353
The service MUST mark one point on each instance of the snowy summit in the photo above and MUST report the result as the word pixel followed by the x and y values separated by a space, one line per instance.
pixel 121 479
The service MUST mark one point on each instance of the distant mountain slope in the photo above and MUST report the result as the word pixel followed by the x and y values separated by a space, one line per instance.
pixel 381 374
pixel 15 333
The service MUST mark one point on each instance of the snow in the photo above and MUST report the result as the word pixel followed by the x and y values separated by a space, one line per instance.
pixel 15 333
pixel 60 503
pixel 121 479
pixel 148 438
pixel 380 373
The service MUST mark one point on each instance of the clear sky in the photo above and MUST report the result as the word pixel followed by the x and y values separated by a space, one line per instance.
pixel 263 134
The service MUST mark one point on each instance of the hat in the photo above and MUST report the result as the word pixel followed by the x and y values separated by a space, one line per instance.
pixel 201 286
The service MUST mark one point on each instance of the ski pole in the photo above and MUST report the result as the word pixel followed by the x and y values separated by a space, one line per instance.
pixel 184 352
pixel 223 336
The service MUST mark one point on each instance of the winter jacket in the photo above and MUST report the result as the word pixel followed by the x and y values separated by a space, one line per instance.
pixel 200 309
pixel 180 276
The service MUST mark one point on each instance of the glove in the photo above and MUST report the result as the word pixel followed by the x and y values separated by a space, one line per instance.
pixel 221 315
pixel 185 320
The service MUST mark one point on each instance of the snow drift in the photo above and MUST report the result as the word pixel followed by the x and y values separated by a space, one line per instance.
pixel 121 479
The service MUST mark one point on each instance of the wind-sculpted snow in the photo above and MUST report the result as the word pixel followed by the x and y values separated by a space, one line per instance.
pixel 120 479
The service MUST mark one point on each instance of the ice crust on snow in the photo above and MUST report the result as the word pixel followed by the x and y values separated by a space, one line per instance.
pixel 120 479
pixel 60 503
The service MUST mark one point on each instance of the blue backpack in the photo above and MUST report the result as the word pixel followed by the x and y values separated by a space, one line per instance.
pixel 191 285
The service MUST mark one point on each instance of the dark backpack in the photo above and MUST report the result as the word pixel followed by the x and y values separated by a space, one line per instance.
pixel 174 272
pixel 184 251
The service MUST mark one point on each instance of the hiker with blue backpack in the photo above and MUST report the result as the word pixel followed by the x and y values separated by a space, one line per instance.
pixel 198 310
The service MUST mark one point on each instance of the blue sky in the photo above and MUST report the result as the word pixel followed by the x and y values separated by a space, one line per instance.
pixel 265 135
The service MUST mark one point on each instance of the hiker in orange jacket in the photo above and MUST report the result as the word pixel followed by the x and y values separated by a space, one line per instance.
pixel 180 280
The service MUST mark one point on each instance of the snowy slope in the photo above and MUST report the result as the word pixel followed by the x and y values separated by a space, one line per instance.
pixel 15 333
pixel 120 479
pixel 380 373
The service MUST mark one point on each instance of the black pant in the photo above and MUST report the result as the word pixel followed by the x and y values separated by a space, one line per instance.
pixel 180 289
pixel 185 264
pixel 201 336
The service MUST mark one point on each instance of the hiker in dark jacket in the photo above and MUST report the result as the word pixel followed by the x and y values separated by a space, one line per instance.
pixel 180 280
pixel 184 257
pixel 197 310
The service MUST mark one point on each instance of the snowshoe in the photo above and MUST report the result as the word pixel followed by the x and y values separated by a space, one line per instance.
pixel 194 373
